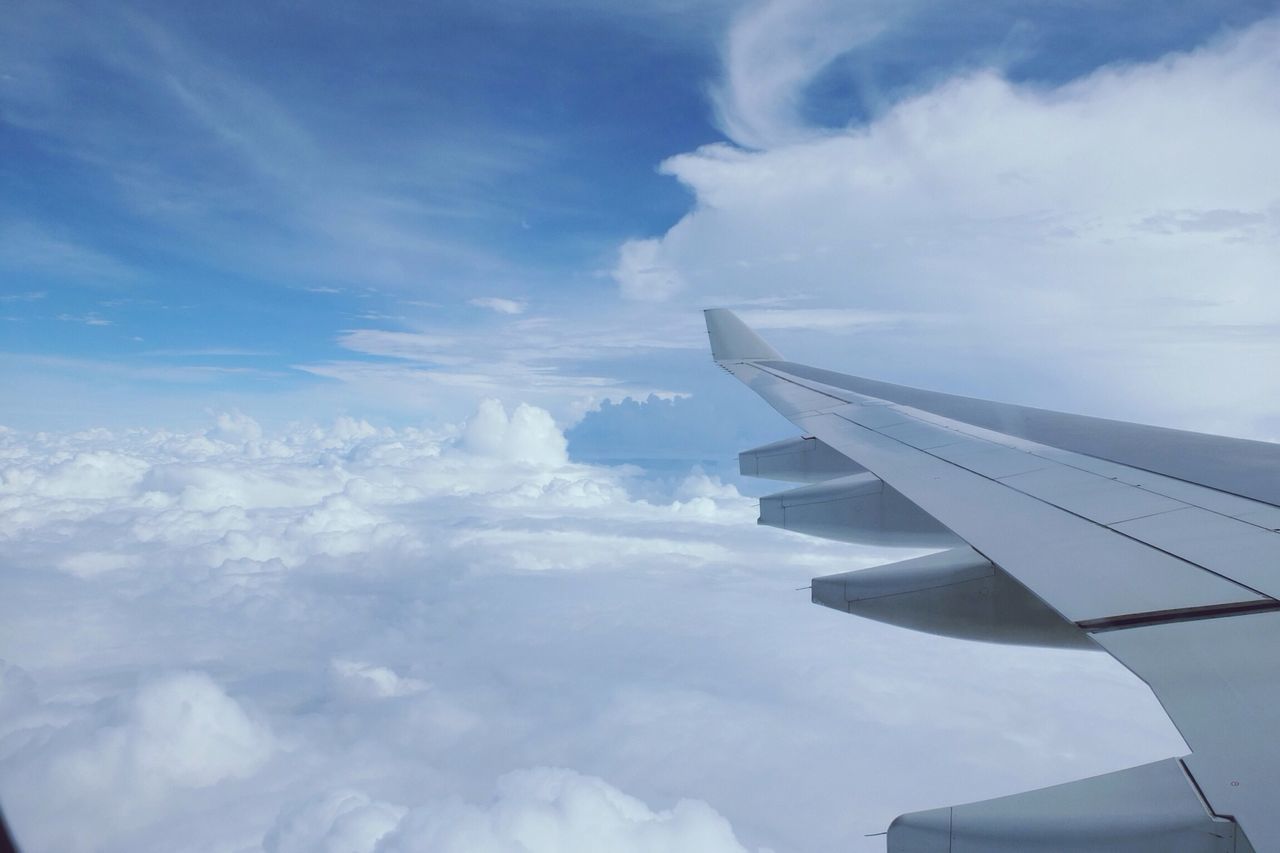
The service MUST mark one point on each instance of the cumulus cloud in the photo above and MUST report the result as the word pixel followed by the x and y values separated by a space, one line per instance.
pixel 1114 227
pixel 336 822
pixel 115 765
pixel 539 810
pixel 529 435
pixel 216 519
pixel 359 680
pixel 236 427
pixel 337 637
pixel 185 730
pixel 641 275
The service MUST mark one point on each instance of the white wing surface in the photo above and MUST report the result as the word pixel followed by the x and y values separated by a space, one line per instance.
pixel 1159 546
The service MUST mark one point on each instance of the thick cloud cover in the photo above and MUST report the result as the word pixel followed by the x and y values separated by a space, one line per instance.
pixel 1110 242
pixel 541 810
pixel 344 637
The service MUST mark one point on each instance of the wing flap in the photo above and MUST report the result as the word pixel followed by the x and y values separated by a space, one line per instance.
pixel 1091 496
pixel 1222 503
pixel 1221 544
pixel 1125 500
pixel 1082 569
pixel 992 460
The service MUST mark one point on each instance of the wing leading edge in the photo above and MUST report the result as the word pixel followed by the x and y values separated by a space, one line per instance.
pixel 1158 546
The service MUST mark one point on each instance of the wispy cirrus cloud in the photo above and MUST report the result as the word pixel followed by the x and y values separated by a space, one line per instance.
pixel 133 371
pixel 90 319
pixel 27 248
pixel 206 148
pixel 499 304
pixel 568 364
pixel 28 296
pixel 832 318
pixel 773 52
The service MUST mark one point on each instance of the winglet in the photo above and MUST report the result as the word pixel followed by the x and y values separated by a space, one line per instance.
pixel 732 340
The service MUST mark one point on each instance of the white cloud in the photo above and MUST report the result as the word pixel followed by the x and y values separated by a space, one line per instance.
pixel 236 427
pixel 539 810
pixel 550 810
pixel 250 620
pixel 116 765
pixel 28 296
pixel 773 52
pixel 407 345
pixel 1112 237
pixel 640 274
pixel 565 364
pixel 357 680
pixel 185 730
pixel 337 822
pixel 498 304
pixel 86 319
pixel 528 436
pixel 828 318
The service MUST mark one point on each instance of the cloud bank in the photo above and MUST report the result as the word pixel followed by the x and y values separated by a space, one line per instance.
pixel 540 810
pixel 352 637
pixel 1120 227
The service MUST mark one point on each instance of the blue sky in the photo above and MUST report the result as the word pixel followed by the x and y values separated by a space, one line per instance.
pixel 359 436
pixel 188 181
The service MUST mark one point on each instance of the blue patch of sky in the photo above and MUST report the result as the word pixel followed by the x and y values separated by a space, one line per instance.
pixel 668 438
pixel 518 145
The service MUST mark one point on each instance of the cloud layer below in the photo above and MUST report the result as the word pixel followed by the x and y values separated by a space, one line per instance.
pixel 343 637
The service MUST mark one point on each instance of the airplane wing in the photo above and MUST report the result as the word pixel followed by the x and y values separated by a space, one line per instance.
pixel 1159 546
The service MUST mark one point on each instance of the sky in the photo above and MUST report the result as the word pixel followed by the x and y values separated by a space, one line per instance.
pixel 365 481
